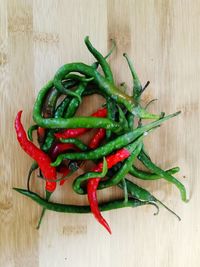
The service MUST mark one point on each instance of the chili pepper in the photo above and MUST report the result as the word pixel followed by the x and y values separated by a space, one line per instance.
pixel 61 147
pixel 58 114
pixel 115 204
pixel 111 113
pixel 99 171
pixel 97 138
pixel 137 87
pixel 68 133
pixel 130 120
pixel 78 78
pixel 151 166
pixel 143 195
pixel 48 111
pixel 115 144
pixel 105 86
pixel 93 183
pixel 33 167
pixel 74 104
pixel 48 141
pixel 124 186
pixel 96 64
pixel 122 120
pixel 61 108
pixel 30 131
pixel 125 167
pixel 77 122
pixel 50 103
pixel 101 60
pixel 113 159
pixel 38 155
pixel 78 143
pixel 150 176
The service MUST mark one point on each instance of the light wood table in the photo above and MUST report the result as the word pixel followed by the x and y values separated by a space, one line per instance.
pixel 163 39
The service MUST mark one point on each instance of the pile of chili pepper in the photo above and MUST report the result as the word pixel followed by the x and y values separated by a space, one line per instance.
pixel 114 148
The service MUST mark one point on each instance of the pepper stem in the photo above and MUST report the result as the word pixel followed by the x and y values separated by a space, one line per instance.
pixel 171 211
pixel 48 195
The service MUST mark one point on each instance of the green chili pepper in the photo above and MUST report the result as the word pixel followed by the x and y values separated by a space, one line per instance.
pixel 74 104
pixel 76 142
pixel 96 64
pixel 33 167
pixel 89 175
pixel 77 122
pixel 78 78
pixel 48 141
pixel 104 85
pixel 124 169
pixel 143 195
pixel 130 119
pixel 101 60
pixel 150 176
pixel 137 87
pixel 50 103
pixel 124 186
pixel 115 144
pixel 30 131
pixel 115 204
pixel 134 150
pixel 61 108
pixel 111 111
pixel 151 166
pixel 122 121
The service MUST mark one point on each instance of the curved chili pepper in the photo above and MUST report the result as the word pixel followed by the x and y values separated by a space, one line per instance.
pixel 34 152
pixel 76 122
pixel 104 85
pixel 68 133
pixel 97 138
pixel 61 147
pixel 144 195
pixel 101 60
pixel 115 144
pixel 67 208
pixel 151 166
pixel 74 103
pixel 92 185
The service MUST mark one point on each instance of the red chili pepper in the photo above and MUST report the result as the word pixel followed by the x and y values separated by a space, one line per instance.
pixel 70 133
pixel 97 138
pixel 34 152
pixel 61 147
pixel 92 184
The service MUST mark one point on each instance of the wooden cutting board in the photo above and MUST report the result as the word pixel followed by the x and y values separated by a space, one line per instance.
pixel 162 38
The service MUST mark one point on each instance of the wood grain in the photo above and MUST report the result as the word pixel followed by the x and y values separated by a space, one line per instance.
pixel 162 37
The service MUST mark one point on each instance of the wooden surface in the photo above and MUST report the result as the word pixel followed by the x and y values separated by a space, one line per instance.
pixel 163 39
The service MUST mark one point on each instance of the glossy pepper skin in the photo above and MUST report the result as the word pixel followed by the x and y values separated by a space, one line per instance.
pixel 67 208
pixel 70 133
pixel 92 184
pixel 35 153
pixel 97 138
pixel 75 122
pixel 113 145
